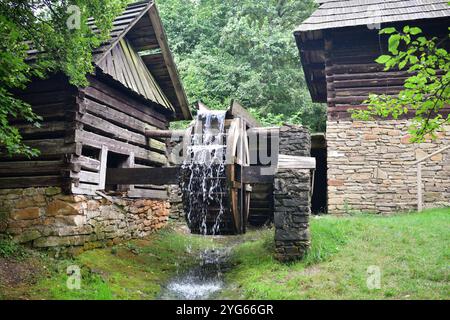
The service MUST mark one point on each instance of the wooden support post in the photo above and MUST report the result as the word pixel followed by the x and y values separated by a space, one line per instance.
pixel 128 164
pixel 103 167
pixel 419 187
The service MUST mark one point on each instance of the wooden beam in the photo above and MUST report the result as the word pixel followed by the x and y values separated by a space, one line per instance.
pixel 295 162
pixel 27 182
pixel 30 168
pixel 165 50
pixel 142 176
pixel 252 175
pixel 149 194
pixel 87 163
pixel 238 111
pixel 315 45
pixel 164 133
pixel 103 167
pixel 96 141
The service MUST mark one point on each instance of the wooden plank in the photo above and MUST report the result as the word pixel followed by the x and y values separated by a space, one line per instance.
pixel 53 146
pixel 419 188
pixel 142 176
pixel 164 133
pixel 117 117
pixel 103 167
pixel 127 105
pixel 237 111
pixel 129 163
pixel 151 186
pixel 44 97
pixel 165 50
pixel 148 194
pixel 252 175
pixel 28 168
pixel 84 189
pixel 120 133
pixel 54 127
pixel 87 163
pixel 147 107
pixel 27 182
pixel 296 162
pixel 90 177
pixel 130 65
pixel 95 140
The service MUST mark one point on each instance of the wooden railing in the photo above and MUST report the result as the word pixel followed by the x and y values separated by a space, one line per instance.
pixel 419 176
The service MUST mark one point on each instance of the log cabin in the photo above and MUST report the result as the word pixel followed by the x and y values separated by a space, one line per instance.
pixel 53 200
pixel 86 130
pixel 369 164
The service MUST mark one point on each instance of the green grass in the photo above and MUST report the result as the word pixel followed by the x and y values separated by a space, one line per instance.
pixel 411 250
pixel 134 270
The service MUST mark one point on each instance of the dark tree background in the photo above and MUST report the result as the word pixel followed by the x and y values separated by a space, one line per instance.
pixel 243 49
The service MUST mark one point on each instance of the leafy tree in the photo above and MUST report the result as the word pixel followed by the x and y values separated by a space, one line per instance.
pixel 427 90
pixel 244 50
pixel 51 28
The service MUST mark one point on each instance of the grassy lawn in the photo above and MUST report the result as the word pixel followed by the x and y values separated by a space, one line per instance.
pixel 133 270
pixel 411 250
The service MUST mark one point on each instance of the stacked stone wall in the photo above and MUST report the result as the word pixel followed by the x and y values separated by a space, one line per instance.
pixel 47 218
pixel 370 167
pixel 292 197
pixel 176 203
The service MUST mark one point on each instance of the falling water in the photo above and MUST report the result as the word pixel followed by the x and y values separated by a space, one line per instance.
pixel 203 171
pixel 203 186
pixel 203 281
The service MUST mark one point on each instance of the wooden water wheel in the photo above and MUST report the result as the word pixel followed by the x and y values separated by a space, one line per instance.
pixel 220 203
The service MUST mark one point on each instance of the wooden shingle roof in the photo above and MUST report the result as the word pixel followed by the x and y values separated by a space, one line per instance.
pixel 348 13
pixel 338 16
pixel 140 28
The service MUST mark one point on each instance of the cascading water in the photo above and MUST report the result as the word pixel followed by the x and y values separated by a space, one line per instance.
pixel 204 189
pixel 203 174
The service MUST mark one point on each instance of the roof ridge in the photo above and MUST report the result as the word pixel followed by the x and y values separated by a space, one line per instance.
pixel 346 13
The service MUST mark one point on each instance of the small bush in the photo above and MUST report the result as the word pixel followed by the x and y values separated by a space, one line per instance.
pixel 10 249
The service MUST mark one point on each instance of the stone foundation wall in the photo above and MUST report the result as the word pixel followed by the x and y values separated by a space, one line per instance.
pixel 47 218
pixel 370 168
pixel 292 197
pixel 176 203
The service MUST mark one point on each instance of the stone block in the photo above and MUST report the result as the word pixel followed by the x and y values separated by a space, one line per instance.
pixel 26 214
pixel 93 205
pixel 52 191
pixel 78 220
pixel 54 241
pixel 27 236
pixel 61 208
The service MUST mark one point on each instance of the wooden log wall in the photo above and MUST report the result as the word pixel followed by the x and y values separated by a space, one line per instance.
pixel 352 73
pixel 54 100
pixel 110 126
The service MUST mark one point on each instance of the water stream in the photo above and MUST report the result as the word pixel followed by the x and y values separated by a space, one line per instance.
pixel 202 173
pixel 202 281
pixel 203 187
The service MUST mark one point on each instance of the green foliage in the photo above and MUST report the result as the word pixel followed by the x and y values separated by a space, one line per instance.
pixel 10 249
pixel 45 26
pixel 426 91
pixel 243 50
